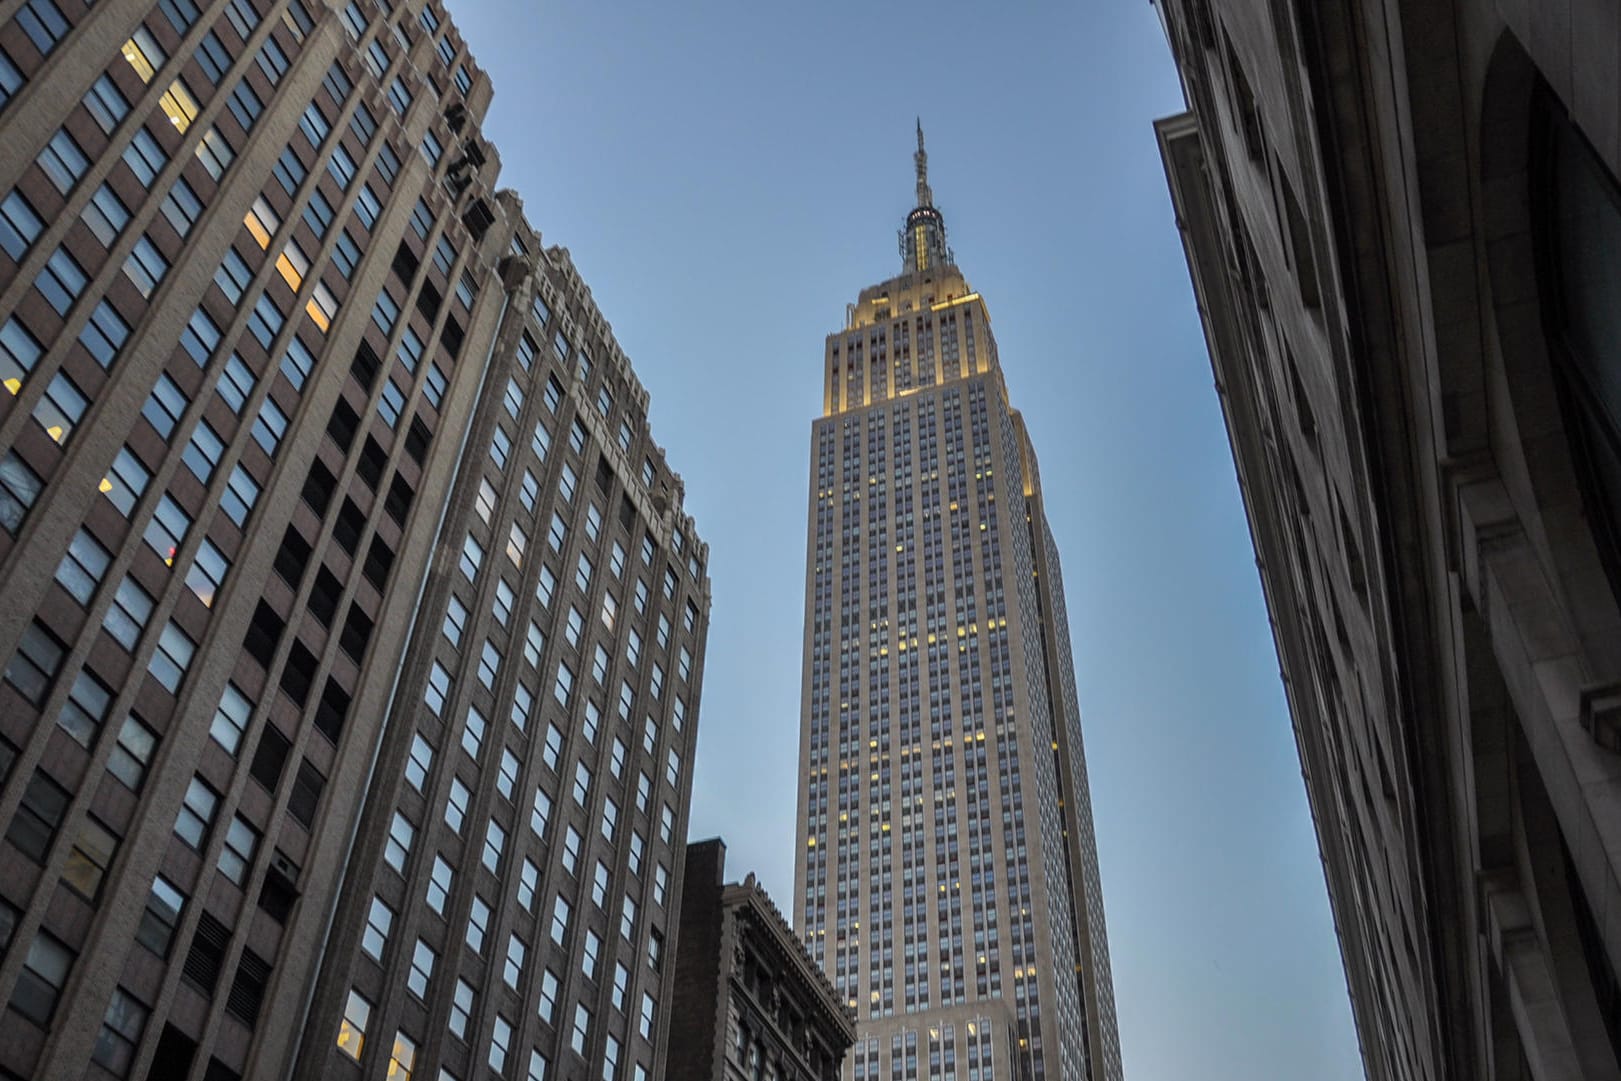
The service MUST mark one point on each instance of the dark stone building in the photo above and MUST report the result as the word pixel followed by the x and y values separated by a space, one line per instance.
pixel 751 1004
pixel 352 628
pixel 1403 224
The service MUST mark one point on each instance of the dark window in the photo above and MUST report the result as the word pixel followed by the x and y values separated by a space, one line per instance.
pixel 417 438
pixel 263 634
pixel 324 596
pixel 248 989
pixel 357 628
pixel 343 424
pixel 270 758
pixel 299 672
pixel 398 503
pixel 203 960
pixel 333 711
pixel 34 825
pixel 306 794
pixel 373 460
pixel 379 560
pixel 347 529
pixel 318 487
pixel 292 556
pixel 367 365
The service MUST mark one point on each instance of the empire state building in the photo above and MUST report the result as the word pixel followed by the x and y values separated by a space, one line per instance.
pixel 946 876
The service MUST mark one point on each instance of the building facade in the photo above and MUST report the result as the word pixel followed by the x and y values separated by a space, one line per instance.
pixel 754 1004
pixel 1403 225
pixel 946 877
pixel 353 628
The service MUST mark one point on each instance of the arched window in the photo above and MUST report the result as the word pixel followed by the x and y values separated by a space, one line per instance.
pixel 1580 247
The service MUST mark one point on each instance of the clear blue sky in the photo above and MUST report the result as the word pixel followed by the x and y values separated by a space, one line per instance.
pixel 728 175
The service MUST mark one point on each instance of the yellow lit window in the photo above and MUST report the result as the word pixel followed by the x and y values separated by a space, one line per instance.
pixel 144 54
pixel 352 1032
pixel 262 222
pixel 404 1058
pixel 178 105
pixel 322 307
pixel 292 265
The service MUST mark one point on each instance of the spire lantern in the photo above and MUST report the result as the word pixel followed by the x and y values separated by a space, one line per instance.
pixel 923 239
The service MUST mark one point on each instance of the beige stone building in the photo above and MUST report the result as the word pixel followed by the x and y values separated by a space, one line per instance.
pixel 1403 224
pixel 946 878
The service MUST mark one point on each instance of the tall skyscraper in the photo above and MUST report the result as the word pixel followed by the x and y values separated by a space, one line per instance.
pixel 353 627
pixel 947 877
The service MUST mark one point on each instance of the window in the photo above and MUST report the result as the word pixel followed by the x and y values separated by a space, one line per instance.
pixel 562 911
pixel 649 1006
pixel 352 1031
pixel 379 919
pixel 567 483
pixel 161 916
pixel 87 862
pixel 196 812
pixel 489 664
pixel 507 781
pixel 85 708
pixel 106 103
pixel 472 556
pixel 439 885
pixel 610 1059
pixel 105 216
pixel 172 657
pixel 495 842
pixel 461 1008
pixel 516 541
pixel 145 266
pixel 581 1035
pixel 241 840
pixel 438 689
pixel 61 281
pixel 564 686
pixel 398 847
pixel 599 886
pixel 422 962
pixel 19 487
pixel 82 567
pixel 62 161
pixel 591 954
pixel 403 1058
pixel 203 451
pixel 456 804
pixel 500 1042
pixel 541 815
pixel 571 850
pixel 132 752
pixel 420 762
pixel 522 704
pixel 455 620
pixel 145 157
pixel 44 972
pixel 528 880
pixel 512 971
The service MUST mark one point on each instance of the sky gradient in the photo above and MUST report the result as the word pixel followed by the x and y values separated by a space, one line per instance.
pixel 727 176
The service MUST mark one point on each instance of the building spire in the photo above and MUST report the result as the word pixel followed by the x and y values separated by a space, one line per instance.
pixel 925 197
pixel 923 240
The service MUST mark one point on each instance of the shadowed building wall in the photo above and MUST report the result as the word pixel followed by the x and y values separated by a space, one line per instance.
pixel 1404 230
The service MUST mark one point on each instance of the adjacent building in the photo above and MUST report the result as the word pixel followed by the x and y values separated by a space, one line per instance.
pixel 753 1004
pixel 946 874
pixel 1403 225
pixel 353 626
